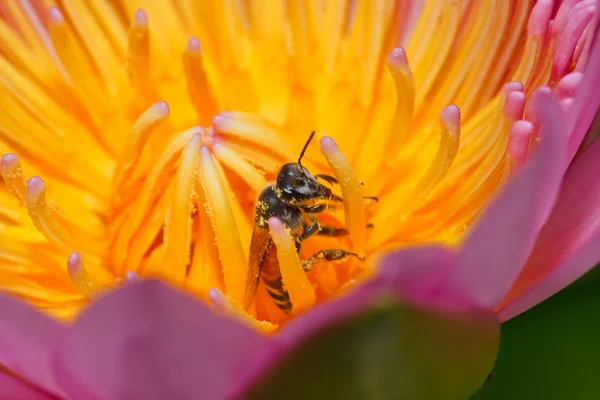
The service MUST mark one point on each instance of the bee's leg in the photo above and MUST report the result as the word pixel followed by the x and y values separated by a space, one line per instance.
pixel 336 198
pixel 373 198
pixel 308 231
pixel 327 178
pixel 316 209
pixel 329 255
pixel 331 231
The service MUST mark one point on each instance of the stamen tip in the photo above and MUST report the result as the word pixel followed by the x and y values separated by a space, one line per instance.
pixel 514 105
pixel 55 16
pixel 131 276
pixel 193 45
pixel 205 154
pixel 140 18
pixel 450 117
pixel 276 225
pixel 398 56
pixel 539 18
pixel 9 160
pixel 216 297
pixel 35 185
pixel 161 108
pixel 74 263
pixel 567 86
pixel 327 143
pixel 513 86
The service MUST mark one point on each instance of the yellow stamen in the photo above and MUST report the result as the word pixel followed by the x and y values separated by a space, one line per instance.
pixel 447 149
pixel 218 207
pixel 223 304
pixel 249 173
pixel 295 281
pixel 197 81
pixel 13 176
pixel 138 57
pixel 405 101
pixel 81 278
pixel 140 132
pixel 352 192
pixel 206 272
pixel 178 231
pixel 42 217
pixel 254 129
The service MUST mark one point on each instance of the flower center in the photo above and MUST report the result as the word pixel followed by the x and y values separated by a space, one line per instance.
pixel 137 187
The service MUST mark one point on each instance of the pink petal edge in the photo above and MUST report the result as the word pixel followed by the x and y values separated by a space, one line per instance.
pixel 13 389
pixel 27 340
pixel 148 341
pixel 499 244
pixel 569 244
pixel 587 99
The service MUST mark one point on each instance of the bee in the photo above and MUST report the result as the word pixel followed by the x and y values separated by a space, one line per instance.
pixel 296 197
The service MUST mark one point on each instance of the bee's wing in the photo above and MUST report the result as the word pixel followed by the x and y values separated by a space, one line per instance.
pixel 261 242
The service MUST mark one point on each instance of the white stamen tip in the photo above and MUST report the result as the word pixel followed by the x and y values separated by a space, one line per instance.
pixel 74 263
pixel 141 18
pixel 131 276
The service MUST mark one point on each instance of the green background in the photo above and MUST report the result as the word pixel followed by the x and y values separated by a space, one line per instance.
pixel 553 350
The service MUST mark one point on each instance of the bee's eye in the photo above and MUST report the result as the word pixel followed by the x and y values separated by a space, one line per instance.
pixel 297 182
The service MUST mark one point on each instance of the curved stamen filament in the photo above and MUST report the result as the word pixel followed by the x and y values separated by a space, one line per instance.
pixel 352 192
pixel 200 93
pixel 223 304
pixel 42 217
pixel 13 176
pixel 140 132
pixel 227 235
pixel 252 128
pixel 178 231
pixel 301 292
pixel 138 56
pixel 242 167
pixel 447 149
pixel 405 100
pixel 81 278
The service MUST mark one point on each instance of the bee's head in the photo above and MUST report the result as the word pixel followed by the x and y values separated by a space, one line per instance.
pixel 296 185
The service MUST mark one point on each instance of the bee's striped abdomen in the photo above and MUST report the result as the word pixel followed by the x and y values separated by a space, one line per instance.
pixel 271 276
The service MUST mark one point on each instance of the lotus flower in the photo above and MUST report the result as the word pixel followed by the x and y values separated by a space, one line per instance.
pixel 148 175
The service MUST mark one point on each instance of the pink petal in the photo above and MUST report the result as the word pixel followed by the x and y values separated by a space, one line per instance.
pixel 27 341
pixel 501 240
pixel 148 341
pixel 587 100
pixel 569 244
pixel 13 389
pixel 416 274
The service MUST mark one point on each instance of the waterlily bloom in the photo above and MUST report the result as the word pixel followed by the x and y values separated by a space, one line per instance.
pixel 136 141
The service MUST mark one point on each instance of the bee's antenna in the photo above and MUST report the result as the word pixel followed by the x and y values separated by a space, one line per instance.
pixel 312 134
